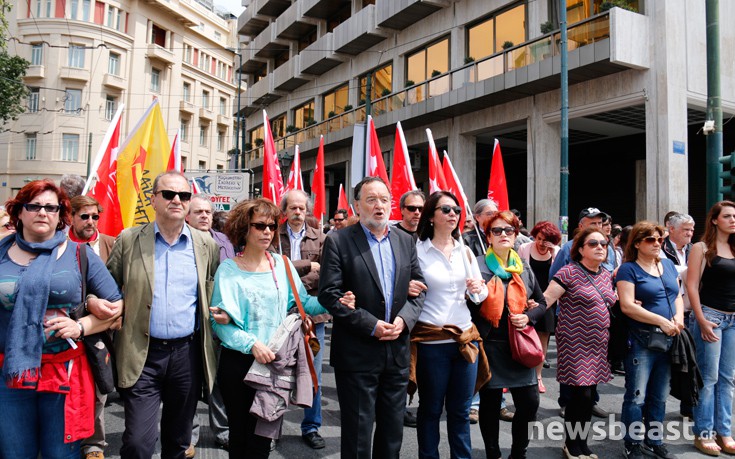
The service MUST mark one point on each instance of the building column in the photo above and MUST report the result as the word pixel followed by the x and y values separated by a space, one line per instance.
pixel 543 161
pixel 667 179
pixel 462 151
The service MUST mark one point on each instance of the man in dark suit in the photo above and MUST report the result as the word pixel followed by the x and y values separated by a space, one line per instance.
pixel 370 343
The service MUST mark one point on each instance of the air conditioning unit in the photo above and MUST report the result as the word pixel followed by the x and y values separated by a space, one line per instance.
pixel 328 178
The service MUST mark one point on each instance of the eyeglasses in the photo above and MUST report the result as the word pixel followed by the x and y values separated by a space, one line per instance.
pixel 169 195
pixel 85 217
pixel 508 230
pixel 262 226
pixel 446 209
pixel 339 220
pixel 49 208
pixel 416 208
pixel 652 239
pixel 592 243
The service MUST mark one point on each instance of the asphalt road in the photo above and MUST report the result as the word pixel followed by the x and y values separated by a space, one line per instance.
pixel 291 446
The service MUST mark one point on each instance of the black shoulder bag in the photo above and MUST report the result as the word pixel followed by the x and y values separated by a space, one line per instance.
pixel 99 345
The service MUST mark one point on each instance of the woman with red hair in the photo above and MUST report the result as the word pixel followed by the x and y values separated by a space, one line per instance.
pixel 47 389
pixel 540 254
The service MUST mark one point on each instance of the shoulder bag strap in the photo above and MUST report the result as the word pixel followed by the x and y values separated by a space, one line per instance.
pixel 589 278
pixel 307 330
pixel 666 294
pixel 78 311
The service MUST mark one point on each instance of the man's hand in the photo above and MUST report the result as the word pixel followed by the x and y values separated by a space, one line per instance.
pixel 348 300
pixel 102 309
pixel 415 288
pixel 383 330
pixel 391 331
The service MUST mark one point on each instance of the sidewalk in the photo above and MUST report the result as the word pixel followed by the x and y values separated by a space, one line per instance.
pixel 292 447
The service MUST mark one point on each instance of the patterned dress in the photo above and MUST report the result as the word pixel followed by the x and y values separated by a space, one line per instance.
pixel 582 332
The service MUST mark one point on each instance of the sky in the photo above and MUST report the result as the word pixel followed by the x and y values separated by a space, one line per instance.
pixel 233 6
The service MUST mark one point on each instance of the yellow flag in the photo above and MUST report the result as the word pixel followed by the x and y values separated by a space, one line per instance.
pixel 142 157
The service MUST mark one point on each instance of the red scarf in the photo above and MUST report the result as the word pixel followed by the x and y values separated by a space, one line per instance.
pixel 73 237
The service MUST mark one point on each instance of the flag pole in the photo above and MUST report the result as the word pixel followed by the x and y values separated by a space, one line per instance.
pixel 103 147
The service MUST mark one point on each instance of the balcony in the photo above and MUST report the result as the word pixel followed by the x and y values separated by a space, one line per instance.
pixel 250 63
pixel 250 23
pixel 35 71
pixel 318 57
pixel 187 107
pixel 399 14
pixel 287 76
pixel 262 93
pixel 224 120
pixel 266 45
pixel 293 25
pixel 321 9
pixel 74 73
pixel 158 53
pixel 358 33
pixel 114 82
pixel 206 114
pixel 173 9
pixel 272 8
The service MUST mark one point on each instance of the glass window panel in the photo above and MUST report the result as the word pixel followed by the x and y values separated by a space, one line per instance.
pixel 76 56
pixel 417 67
pixel 184 130
pixel 113 67
pixel 70 147
pixel 86 7
pixel 31 140
pixel 481 40
pixel 510 26
pixel 33 97
pixel 278 126
pixel 37 54
pixel 73 101
pixel 303 114
pixel 437 58
pixel 110 107
pixel 155 80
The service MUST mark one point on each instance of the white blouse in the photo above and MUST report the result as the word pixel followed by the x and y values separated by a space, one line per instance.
pixel 445 302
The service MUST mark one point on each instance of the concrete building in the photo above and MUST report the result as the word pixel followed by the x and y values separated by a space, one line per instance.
pixel 475 70
pixel 87 57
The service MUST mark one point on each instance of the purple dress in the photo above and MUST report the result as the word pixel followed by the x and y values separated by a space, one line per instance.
pixel 582 333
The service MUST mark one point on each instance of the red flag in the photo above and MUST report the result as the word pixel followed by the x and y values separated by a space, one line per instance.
pixel 374 163
pixel 342 201
pixel 437 182
pixel 295 182
pixel 105 189
pixel 497 189
pixel 174 159
pixel 455 187
pixel 272 179
pixel 318 191
pixel 401 176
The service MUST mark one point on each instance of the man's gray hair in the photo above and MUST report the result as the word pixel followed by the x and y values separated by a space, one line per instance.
pixel 407 194
pixel 678 219
pixel 284 201
pixel 72 184
pixel 482 204
pixel 201 197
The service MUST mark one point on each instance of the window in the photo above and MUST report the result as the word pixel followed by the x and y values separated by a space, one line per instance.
pixel 113 65
pixel 203 135
pixel 382 81
pixel 205 99
pixel 217 36
pixel 489 36
pixel 110 16
pixel 278 126
pixel 222 106
pixel 110 107
pixel 73 102
pixel 31 140
pixel 184 131
pixel 335 101
pixel 48 8
pixel 304 115
pixel 70 147
pixel 86 7
pixel 155 80
pixel 187 92
pixel 202 165
pixel 424 63
pixel 158 36
pixel 220 140
pixel 187 54
pixel 76 56
pixel 256 134
pixel 74 8
pixel 33 98
pixel 37 54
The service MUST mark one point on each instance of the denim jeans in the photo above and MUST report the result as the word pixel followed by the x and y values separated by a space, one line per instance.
pixel 444 378
pixel 717 363
pixel 313 416
pixel 647 384
pixel 34 423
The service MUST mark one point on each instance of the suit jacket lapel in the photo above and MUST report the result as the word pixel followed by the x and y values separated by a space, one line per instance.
pixel 199 254
pixel 147 246
pixel 397 258
pixel 358 235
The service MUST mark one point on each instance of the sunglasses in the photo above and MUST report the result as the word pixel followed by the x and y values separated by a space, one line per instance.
pixel 446 209
pixel 86 217
pixel 652 239
pixel 592 243
pixel 339 219
pixel 262 226
pixel 49 208
pixel 169 195
pixel 508 230
pixel 418 208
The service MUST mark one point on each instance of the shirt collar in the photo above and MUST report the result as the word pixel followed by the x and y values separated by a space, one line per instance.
pixel 297 235
pixel 185 232
pixel 369 235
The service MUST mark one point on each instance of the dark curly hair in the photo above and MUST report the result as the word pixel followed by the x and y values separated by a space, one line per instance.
pixel 240 217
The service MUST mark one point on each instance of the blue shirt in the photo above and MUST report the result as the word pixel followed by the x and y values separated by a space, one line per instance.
pixel 175 281
pixel 649 290
pixel 295 241
pixel 386 264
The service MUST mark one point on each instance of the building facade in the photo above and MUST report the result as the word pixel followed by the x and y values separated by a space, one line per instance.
pixel 89 56
pixel 476 70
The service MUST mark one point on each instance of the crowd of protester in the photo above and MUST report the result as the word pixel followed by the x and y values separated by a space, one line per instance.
pixel 235 306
